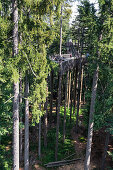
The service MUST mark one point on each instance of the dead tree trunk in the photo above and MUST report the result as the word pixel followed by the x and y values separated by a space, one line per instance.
pixel 91 123
pixel 16 91
pixel 65 105
pixel 26 146
pixel 58 114
pixel 105 151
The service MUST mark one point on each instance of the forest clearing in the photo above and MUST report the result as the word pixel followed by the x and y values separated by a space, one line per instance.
pixel 56 85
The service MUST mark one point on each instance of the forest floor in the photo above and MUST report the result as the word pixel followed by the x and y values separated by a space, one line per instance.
pixel 97 150
pixel 79 142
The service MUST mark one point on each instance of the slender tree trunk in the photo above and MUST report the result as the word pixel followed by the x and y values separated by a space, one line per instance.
pixel 26 147
pixel 69 89
pixel 51 97
pixel 78 97
pixel 91 123
pixel 71 100
pixel 16 126
pixel 16 91
pixel 105 150
pixel 75 90
pixel 45 124
pixel 65 104
pixel 82 70
pixel 58 114
pixel 39 136
pixel 61 32
pixel 45 120
pixel 21 134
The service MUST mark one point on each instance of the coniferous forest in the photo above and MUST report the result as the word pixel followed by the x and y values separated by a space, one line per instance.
pixel 56 85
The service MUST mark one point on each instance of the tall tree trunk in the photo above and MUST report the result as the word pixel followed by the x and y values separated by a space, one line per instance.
pixel 78 97
pixel 21 134
pixel 75 89
pixel 58 114
pixel 82 70
pixel 91 122
pixel 105 150
pixel 39 136
pixel 16 126
pixel 45 124
pixel 16 91
pixel 71 96
pixel 51 97
pixel 65 104
pixel 26 147
pixel 61 32
pixel 69 89
pixel 45 120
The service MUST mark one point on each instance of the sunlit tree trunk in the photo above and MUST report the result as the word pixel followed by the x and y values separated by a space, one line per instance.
pixel 16 91
pixel 61 31
pixel 91 122
pixel 26 147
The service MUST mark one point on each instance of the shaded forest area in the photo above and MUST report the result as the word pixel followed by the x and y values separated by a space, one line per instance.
pixel 56 85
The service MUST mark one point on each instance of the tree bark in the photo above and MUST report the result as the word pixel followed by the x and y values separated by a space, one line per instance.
pixel 69 89
pixel 61 32
pixel 39 136
pixel 45 120
pixel 75 90
pixel 65 104
pixel 16 126
pixel 91 123
pixel 26 147
pixel 105 151
pixel 71 96
pixel 78 97
pixel 82 70
pixel 58 114
pixel 16 91
pixel 21 134
pixel 51 97
pixel 45 124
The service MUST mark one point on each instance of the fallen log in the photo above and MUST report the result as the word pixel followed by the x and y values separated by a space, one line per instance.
pixel 61 163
